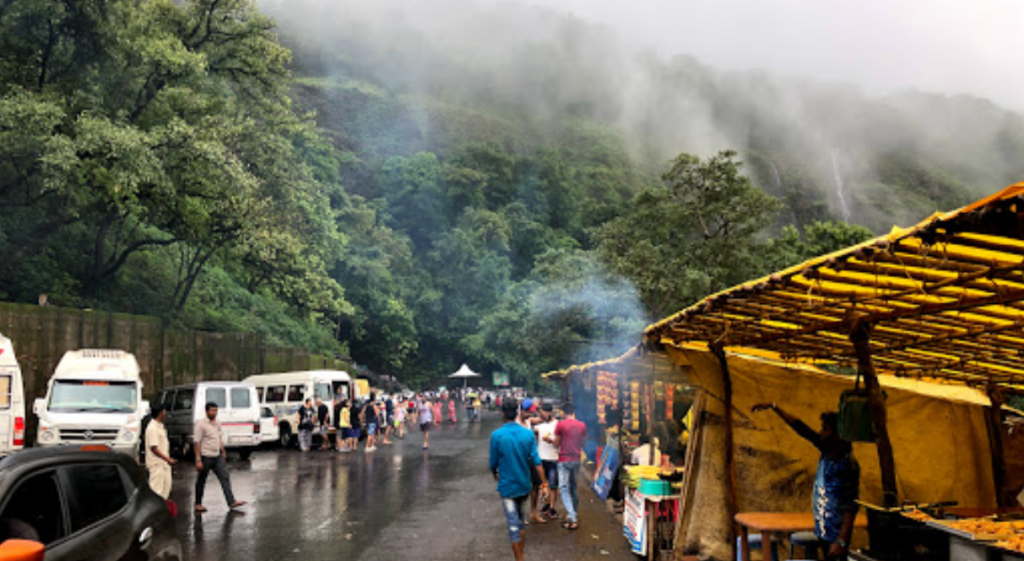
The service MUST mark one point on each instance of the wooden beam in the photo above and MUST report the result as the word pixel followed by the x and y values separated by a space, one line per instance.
pixel 994 424
pixel 732 500
pixel 921 310
pixel 861 338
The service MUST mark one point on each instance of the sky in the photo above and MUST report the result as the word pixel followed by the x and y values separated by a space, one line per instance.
pixel 941 46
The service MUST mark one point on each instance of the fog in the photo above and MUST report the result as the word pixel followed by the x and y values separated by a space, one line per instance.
pixel 944 46
pixel 833 101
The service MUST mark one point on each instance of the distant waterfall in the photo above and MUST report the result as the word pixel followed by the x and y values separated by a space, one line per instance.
pixel 777 177
pixel 844 209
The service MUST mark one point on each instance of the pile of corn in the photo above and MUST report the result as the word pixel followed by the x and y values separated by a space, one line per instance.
pixel 635 473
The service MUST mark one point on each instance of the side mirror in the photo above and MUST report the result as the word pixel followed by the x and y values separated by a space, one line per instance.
pixel 38 406
pixel 145 411
pixel 22 550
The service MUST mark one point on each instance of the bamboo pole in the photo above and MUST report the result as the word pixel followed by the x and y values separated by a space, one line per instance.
pixel 861 337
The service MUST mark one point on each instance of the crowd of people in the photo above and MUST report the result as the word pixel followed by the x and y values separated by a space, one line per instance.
pixel 535 456
pixel 380 419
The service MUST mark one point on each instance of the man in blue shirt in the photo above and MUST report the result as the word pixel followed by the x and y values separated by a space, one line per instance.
pixel 836 485
pixel 513 456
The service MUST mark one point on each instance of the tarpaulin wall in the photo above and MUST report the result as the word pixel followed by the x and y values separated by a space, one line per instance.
pixel 939 437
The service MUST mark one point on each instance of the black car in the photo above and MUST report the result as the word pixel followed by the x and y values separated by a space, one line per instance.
pixel 85 504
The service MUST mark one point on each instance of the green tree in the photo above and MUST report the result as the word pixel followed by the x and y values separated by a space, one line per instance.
pixel 415 197
pixel 155 124
pixel 818 238
pixel 692 236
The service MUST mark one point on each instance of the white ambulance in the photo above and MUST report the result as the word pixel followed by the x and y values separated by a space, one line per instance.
pixel 12 400
pixel 94 397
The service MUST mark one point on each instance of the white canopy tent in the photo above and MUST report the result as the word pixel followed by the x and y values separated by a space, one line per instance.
pixel 465 373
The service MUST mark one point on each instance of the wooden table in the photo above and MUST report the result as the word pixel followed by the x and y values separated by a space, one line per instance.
pixel 770 524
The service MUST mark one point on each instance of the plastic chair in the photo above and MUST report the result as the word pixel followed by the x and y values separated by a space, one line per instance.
pixel 755 544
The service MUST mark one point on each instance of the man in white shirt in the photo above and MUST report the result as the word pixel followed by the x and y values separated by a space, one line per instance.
pixel 158 453
pixel 548 457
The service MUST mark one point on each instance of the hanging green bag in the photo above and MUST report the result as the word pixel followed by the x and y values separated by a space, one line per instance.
pixel 855 415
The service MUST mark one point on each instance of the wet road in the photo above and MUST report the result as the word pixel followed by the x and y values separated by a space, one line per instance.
pixel 431 505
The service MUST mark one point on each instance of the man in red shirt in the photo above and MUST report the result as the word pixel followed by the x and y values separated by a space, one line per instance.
pixel 570 435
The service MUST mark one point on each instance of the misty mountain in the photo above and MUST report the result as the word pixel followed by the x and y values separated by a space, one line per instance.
pixel 393 78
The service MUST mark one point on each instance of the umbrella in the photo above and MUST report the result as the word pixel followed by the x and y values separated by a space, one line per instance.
pixel 465 373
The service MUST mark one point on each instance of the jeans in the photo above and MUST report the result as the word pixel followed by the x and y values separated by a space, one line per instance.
pixel 305 438
pixel 567 472
pixel 220 469
pixel 514 516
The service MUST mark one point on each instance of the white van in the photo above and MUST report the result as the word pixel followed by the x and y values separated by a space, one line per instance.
pixel 12 400
pixel 238 411
pixel 94 397
pixel 285 393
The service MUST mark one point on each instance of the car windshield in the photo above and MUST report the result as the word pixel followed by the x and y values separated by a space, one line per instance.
pixel 92 395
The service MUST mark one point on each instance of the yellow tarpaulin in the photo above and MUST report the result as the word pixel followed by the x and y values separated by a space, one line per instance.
pixel 938 434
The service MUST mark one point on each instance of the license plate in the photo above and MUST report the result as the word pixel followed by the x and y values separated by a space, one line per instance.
pixel 241 440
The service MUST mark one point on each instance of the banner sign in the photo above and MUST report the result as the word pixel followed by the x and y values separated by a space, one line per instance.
pixel 607 469
pixel 634 522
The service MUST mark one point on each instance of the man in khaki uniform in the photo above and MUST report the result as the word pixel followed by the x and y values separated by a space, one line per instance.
pixel 211 456
pixel 158 450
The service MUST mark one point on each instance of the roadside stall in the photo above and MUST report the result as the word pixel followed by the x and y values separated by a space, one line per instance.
pixel 634 407
pixel 916 338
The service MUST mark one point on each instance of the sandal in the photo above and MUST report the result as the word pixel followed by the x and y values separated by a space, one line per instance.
pixel 570 525
pixel 201 508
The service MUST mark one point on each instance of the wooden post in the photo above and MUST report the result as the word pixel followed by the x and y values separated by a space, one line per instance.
pixel 994 424
pixel 732 500
pixel 860 336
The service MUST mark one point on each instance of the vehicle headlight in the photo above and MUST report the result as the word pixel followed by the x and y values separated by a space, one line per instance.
pixel 127 435
pixel 47 435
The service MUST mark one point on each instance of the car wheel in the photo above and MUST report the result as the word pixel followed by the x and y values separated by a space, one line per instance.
pixel 186 451
pixel 285 439
pixel 244 453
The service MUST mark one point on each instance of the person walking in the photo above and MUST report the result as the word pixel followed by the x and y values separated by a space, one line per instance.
pixel 451 410
pixel 355 415
pixel 389 412
pixel 323 421
pixel 343 427
pixel 400 421
pixel 570 435
pixel 209 446
pixel 438 418
pixel 370 421
pixel 469 407
pixel 158 453
pixel 548 458
pixel 527 420
pixel 305 418
pixel 477 406
pixel 513 462
pixel 426 418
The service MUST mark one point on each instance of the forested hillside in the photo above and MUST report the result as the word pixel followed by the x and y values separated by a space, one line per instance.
pixel 426 184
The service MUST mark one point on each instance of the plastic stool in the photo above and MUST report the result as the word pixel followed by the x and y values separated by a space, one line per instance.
pixel 753 539
pixel 806 540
